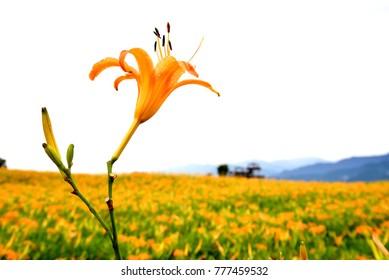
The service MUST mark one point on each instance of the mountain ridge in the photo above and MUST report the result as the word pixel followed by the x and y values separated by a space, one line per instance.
pixel 368 168
pixel 356 168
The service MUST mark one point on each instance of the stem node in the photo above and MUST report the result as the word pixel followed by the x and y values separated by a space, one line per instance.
pixel 113 176
pixel 109 202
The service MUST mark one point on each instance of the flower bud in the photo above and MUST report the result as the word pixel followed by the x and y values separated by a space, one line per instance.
pixel 54 156
pixel 69 155
pixel 48 131
pixel 303 251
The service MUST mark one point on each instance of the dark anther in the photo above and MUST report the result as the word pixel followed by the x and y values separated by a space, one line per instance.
pixel 155 46
pixel 157 33
pixel 170 45
pixel 168 28
pixel 163 40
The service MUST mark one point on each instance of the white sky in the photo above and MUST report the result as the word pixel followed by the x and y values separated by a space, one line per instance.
pixel 297 79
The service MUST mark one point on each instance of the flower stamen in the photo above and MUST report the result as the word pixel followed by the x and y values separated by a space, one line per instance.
pixel 163 45
pixel 168 39
pixel 159 53
pixel 166 44
pixel 170 46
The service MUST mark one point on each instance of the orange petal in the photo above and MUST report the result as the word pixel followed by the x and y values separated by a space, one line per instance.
pixel 127 76
pixel 149 111
pixel 145 65
pixel 102 65
pixel 168 72
pixel 122 63
pixel 196 82
pixel 190 68
pixel 146 80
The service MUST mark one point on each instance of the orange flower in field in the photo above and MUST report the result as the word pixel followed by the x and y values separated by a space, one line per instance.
pixel 28 223
pixel 155 83
pixel 9 216
pixel 179 253
pixel 385 224
pixel 359 257
pixel 8 253
pixel 261 246
pixel 293 225
pixel 363 229
pixel 141 256
pixel 11 255
pixel 317 229
pixel 133 226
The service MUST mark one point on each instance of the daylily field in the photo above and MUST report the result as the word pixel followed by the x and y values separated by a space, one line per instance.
pixel 191 217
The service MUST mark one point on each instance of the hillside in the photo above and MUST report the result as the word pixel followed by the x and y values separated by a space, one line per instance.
pixel 371 168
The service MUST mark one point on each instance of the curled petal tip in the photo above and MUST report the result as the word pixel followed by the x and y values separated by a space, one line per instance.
pixel 92 76
pixel 196 82
pixel 215 91
pixel 102 65
pixel 122 62
pixel 118 80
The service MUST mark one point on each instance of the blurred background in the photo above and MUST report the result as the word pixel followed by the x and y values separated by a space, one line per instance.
pixel 298 80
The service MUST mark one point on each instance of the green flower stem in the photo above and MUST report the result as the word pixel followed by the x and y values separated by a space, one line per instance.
pixel 109 201
pixel 77 192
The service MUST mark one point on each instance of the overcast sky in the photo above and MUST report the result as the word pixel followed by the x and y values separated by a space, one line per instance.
pixel 297 79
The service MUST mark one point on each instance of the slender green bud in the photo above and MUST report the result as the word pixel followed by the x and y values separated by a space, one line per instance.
pixel 52 153
pixel 69 155
pixel 54 156
pixel 48 131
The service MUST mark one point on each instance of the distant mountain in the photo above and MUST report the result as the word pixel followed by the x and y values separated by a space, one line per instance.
pixel 268 168
pixel 371 168
pixel 271 168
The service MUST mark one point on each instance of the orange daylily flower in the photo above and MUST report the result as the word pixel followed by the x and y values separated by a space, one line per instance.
pixel 155 84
